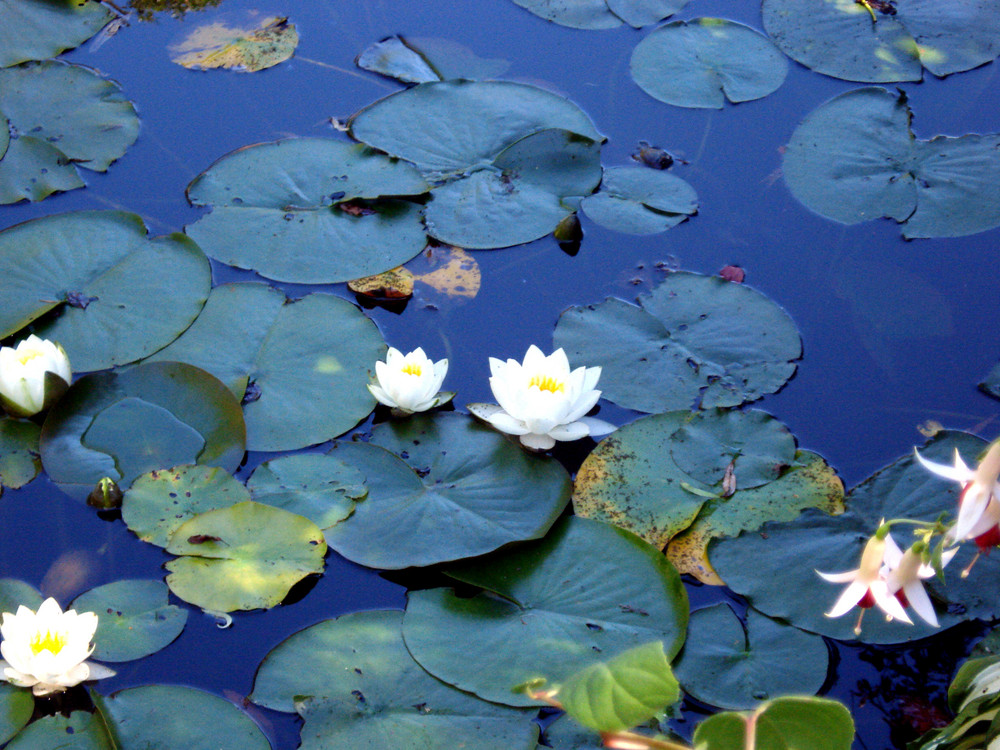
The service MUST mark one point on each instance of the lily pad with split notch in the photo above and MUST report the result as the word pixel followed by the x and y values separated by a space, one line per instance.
pixel 845 39
pixel 703 62
pixel 276 212
pixel 548 608
pixel 64 118
pixel 460 490
pixel 300 368
pixel 637 200
pixel 693 340
pixel 40 29
pixel 109 300
pixel 152 416
pixel 854 158
pixel 245 556
pixel 355 684
pixel 421 60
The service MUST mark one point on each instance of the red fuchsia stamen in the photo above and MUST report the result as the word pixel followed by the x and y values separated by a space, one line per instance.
pixel 868 600
pixel 988 540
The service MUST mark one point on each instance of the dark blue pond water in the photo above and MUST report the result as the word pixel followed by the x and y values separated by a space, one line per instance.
pixel 895 332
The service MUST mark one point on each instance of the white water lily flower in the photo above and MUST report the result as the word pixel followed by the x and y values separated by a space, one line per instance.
pixel 904 572
pixel 541 401
pixel 23 390
pixel 47 650
pixel 979 489
pixel 867 586
pixel 408 383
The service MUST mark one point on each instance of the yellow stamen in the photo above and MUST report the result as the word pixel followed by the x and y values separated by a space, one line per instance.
pixel 28 356
pixel 48 641
pixel 411 368
pixel 547 383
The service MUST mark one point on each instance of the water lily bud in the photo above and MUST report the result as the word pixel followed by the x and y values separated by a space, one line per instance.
pixel 106 495
pixel 33 375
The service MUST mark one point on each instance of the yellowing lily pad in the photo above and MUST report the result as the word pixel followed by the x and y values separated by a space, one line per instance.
pixel 394 284
pixel 451 271
pixel 246 47
pixel 246 556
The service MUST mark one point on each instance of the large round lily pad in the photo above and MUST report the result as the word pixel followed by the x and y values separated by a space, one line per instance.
pixel 63 117
pixel 891 41
pixel 705 61
pixel 356 686
pixel 585 593
pixel 108 293
pixel 300 367
pixel 855 158
pixel 309 210
pixel 14 593
pixel 16 707
pixel 694 340
pixel 245 556
pixel 794 550
pixel 729 665
pixel 125 423
pixel 460 490
pixel 40 29
pixel 134 619
pixel 19 462
pixel 86 729
pixel 638 200
pixel 602 14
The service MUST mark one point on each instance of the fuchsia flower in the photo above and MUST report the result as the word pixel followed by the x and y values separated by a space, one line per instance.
pixel 978 506
pixel 904 572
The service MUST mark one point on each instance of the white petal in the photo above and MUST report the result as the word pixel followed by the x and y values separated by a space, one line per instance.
pixel 920 602
pixel 892 554
pixel 506 423
pixel 970 510
pixel 567 432
pixel 380 395
pixel 99 671
pixel 848 599
pixel 597 426
pixel 887 602
pixel 958 473
pixel 537 442
pixel 844 577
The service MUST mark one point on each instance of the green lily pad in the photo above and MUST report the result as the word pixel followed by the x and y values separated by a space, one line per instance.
pixel 134 619
pixel 415 60
pixel 63 117
pixel 113 299
pixel 151 416
pixel 40 29
pixel 4 135
pixel 87 730
pixel 322 488
pixel 703 62
pixel 548 609
pixel 19 462
pixel 159 501
pixel 276 212
pixel 356 686
pixel 16 707
pixel 14 593
pixel 855 158
pixel 244 46
pixel 521 196
pixel 300 367
pixel 693 340
pixel 618 694
pixel 809 483
pixel 782 724
pixel 731 666
pixel 845 40
pixel 991 385
pixel 602 14
pixel 460 490
pixel 168 717
pixel 637 200
pixel 794 550
pixel 246 556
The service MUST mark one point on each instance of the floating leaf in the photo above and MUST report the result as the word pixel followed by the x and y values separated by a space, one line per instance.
pixel 794 550
pixel 14 593
pixel 991 385
pixel 19 462
pixel 395 284
pixel 414 60
pixel 322 488
pixel 601 14
pixel 113 299
pixel 40 29
pixel 63 117
pixel 462 490
pixel 731 666
pixel 309 210
pixel 783 724
pixel 246 556
pixel 855 158
pixel 549 608
pixel 810 483
pixel 86 729
pixel 168 717
pixel 300 367
pixel 125 423
pixel 135 619
pixel 692 339
pixel 845 39
pixel 16 707
pixel 161 500
pixel 246 48
pixel 451 271
pixel 637 200
pixel 356 686
pixel 705 61
pixel 622 692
